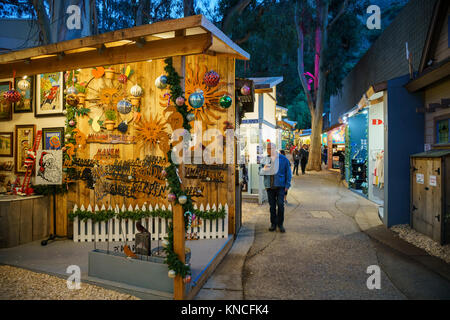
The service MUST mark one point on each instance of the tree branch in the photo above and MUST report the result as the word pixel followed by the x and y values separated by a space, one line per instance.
pixel 238 8
pixel 339 14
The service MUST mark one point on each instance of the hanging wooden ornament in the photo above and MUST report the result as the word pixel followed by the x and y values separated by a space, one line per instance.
pixel 211 78
pixel 161 82
pixel 225 101
pixel 124 106
pixel 109 73
pixel 23 85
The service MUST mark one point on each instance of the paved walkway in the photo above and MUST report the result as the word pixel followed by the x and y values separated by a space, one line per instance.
pixel 332 236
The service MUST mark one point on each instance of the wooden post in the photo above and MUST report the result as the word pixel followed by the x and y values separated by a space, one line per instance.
pixel 178 246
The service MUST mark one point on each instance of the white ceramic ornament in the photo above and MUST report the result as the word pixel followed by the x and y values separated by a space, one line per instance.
pixel 136 91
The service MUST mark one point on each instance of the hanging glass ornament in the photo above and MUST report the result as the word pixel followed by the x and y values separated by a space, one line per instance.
pixel 136 91
pixel 163 173
pixel 122 78
pixel 190 117
pixel 182 199
pixel 211 78
pixel 161 82
pixel 196 100
pixel 124 106
pixel 23 85
pixel 72 100
pixel 12 96
pixel 172 274
pixel 225 101
pixel 123 127
pixel 245 90
pixel 71 90
pixel 180 101
pixel 71 123
pixel 187 279
pixel 171 197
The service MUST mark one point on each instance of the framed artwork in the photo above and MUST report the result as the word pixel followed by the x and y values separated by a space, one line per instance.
pixel 24 142
pixel 26 104
pixel 5 106
pixel 49 94
pixel 52 138
pixel 6 144
pixel 48 167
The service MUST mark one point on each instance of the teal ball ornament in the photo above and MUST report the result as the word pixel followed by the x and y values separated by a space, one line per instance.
pixel 124 106
pixel 196 100
pixel 225 101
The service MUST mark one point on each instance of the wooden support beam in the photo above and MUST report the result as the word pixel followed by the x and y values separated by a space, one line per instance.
pixel 179 248
pixel 264 90
pixel 178 46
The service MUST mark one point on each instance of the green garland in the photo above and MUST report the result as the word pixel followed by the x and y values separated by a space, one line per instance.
pixel 49 189
pixel 136 215
pixel 172 259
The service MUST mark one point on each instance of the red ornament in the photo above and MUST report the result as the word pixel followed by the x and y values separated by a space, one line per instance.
pixel 171 197
pixel 180 101
pixel 211 78
pixel 12 96
pixel 245 90
pixel 122 78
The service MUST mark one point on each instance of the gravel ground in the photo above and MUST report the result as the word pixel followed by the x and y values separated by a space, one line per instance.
pixel 21 284
pixel 422 241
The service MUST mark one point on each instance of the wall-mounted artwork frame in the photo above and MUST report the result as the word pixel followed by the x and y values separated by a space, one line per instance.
pixel 49 94
pixel 26 104
pixel 6 110
pixel 6 144
pixel 52 138
pixel 24 140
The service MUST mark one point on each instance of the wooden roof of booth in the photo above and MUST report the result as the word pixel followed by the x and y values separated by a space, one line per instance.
pixel 178 37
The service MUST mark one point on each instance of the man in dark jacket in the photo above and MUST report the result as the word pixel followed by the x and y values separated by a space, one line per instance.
pixel 296 157
pixel 304 157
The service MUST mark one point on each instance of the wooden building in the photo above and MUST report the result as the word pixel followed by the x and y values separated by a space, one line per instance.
pixel 120 112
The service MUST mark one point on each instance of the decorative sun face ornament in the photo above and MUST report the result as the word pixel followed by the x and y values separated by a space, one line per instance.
pixel 161 82
pixel 225 101
pixel 23 85
pixel 211 78
pixel 12 96
pixel 152 133
pixel 196 99
pixel 124 106
pixel 136 91
pixel 245 90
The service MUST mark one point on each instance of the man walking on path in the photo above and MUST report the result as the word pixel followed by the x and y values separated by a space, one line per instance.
pixel 277 181
pixel 296 157
pixel 304 157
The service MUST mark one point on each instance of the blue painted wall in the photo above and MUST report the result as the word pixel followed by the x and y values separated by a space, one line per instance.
pixel 405 136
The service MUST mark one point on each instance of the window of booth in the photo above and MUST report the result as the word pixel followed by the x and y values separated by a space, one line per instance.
pixel 443 131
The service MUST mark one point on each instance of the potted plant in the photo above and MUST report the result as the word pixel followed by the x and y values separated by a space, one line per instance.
pixel 110 119
pixel 109 73
pixel 81 92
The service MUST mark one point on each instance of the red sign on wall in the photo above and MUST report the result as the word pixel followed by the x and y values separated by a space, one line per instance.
pixel 377 122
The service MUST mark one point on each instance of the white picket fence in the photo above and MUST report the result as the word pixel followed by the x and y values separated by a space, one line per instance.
pixel 116 229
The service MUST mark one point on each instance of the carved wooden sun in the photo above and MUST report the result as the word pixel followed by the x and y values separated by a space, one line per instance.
pixel 152 132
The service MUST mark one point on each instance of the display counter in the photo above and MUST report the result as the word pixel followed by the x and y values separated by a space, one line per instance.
pixel 23 219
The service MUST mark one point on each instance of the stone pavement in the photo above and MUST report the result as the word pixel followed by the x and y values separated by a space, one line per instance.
pixel 332 236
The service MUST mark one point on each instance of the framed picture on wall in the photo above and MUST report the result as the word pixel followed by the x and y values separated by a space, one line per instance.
pixel 24 142
pixel 26 88
pixel 52 138
pixel 6 144
pixel 49 94
pixel 5 106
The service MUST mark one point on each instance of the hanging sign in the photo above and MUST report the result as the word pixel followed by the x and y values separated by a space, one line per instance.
pixel 420 178
pixel 433 181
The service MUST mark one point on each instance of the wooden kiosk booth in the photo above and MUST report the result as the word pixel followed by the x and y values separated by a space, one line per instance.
pixel 125 93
